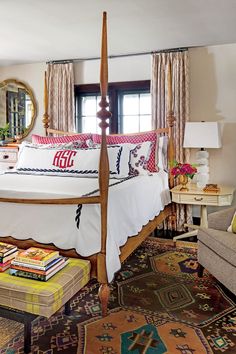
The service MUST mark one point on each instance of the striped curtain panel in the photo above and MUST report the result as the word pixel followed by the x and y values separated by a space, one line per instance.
pixel 178 62
pixel 60 79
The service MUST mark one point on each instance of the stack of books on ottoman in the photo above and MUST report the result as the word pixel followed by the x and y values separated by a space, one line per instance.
pixel 37 263
pixel 7 254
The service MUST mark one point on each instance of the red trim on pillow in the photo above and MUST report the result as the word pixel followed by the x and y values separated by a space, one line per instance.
pixel 134 139
pixel 37 139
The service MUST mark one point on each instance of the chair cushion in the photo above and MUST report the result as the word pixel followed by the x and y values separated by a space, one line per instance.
pixel 44 298
pixel 221 242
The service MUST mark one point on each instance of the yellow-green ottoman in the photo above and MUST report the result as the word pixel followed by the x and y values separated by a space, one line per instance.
pixel 24 299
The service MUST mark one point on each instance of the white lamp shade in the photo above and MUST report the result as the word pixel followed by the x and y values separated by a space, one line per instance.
pixel 202 135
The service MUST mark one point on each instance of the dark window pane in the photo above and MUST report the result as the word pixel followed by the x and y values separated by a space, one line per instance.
pixel 129 103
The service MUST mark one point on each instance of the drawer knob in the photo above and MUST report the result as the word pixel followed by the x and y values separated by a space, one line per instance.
pixel 5 157
pixel 198 199
pixel 10 167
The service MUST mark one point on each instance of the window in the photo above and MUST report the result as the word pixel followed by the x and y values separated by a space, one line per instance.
pixel 88 105
pixel 129 103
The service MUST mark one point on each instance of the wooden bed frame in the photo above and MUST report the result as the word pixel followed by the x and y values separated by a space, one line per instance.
pixel 98 261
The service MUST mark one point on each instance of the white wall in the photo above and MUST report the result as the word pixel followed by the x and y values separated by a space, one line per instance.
pixel 120 69
pixel 213 98
pixel 212 94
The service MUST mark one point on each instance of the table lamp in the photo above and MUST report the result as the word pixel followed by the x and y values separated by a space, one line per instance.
pixel 202 135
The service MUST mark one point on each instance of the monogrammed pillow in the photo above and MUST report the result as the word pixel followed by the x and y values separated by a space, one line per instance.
pixel 71 162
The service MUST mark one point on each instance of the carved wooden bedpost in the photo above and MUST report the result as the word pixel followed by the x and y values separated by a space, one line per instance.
pixel 103 114
pixel 45 116
pixel 171 146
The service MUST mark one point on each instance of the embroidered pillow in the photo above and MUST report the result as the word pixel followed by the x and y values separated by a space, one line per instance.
pixel 138 155
pixel 37 139
pixel 134 139
pixel 232 227
pixel 70 162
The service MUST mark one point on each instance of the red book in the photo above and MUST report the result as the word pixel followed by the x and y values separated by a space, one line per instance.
pixel 5 266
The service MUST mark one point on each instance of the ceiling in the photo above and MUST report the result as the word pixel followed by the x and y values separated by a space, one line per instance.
pixel 39 31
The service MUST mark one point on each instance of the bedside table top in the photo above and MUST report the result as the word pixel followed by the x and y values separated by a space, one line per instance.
pixel 198 197
pixel 197 191
pixel 10 146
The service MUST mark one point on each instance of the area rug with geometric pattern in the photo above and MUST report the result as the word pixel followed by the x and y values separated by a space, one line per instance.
pixel 157 305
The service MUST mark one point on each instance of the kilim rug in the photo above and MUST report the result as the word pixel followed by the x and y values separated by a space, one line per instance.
pixel 157 305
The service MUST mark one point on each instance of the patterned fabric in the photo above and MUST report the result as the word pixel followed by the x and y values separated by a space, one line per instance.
pixel 206 326
pixel 44 298
pixel 159 305
pixel 178 63
pixel 61 96
pixel 134 139
pixel 37 139
pixel 43 160
pixel 232 227
pixel 76 144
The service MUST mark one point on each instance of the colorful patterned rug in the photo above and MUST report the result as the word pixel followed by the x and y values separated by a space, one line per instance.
pixel 158 305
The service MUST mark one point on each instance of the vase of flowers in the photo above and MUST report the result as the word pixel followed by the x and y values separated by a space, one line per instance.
pixel 184 171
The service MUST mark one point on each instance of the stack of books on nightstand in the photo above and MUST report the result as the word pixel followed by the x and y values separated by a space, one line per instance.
pixel 37 263
pixel 7 253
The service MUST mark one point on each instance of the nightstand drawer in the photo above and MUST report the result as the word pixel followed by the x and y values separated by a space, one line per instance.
pixel 8 155
pixel 197 199
pixel 202 199
pixel 5 166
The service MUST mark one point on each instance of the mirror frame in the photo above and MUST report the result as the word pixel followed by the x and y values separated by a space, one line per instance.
pixel 34 108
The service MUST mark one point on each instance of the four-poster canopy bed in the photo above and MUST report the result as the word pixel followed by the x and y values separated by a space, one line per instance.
pixel 99 259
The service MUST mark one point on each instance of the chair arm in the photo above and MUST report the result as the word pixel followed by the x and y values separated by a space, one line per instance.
pixel 220 220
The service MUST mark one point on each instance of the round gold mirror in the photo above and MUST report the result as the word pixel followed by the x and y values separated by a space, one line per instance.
pixel 17 110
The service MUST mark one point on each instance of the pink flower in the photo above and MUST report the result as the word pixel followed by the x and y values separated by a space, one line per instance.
pixel 183 169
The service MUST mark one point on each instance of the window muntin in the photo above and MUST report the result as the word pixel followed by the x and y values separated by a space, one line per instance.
pixel 135 112
pixel 129 103
pixel 88 107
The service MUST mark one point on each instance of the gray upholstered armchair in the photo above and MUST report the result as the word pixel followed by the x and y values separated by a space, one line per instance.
pixel 217 248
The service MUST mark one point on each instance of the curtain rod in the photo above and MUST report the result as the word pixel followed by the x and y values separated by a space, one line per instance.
pixel 118 55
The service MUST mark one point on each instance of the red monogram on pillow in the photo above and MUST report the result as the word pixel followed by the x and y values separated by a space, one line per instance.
pixel 64 158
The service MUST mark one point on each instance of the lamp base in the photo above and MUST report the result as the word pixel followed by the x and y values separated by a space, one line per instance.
pixel 202 168
pixel 202 180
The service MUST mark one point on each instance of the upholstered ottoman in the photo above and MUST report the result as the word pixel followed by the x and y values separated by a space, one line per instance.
pixel 24 299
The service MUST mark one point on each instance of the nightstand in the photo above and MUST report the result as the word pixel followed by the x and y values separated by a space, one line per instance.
pixel 8 157
pixel 196 196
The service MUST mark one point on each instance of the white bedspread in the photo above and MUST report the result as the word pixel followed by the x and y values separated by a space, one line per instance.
pixel 132 203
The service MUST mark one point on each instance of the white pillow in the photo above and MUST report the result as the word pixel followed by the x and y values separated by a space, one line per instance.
pixel 139 156
pixel 70 162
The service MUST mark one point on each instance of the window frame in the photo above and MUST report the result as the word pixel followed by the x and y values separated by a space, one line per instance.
pixel 115 89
